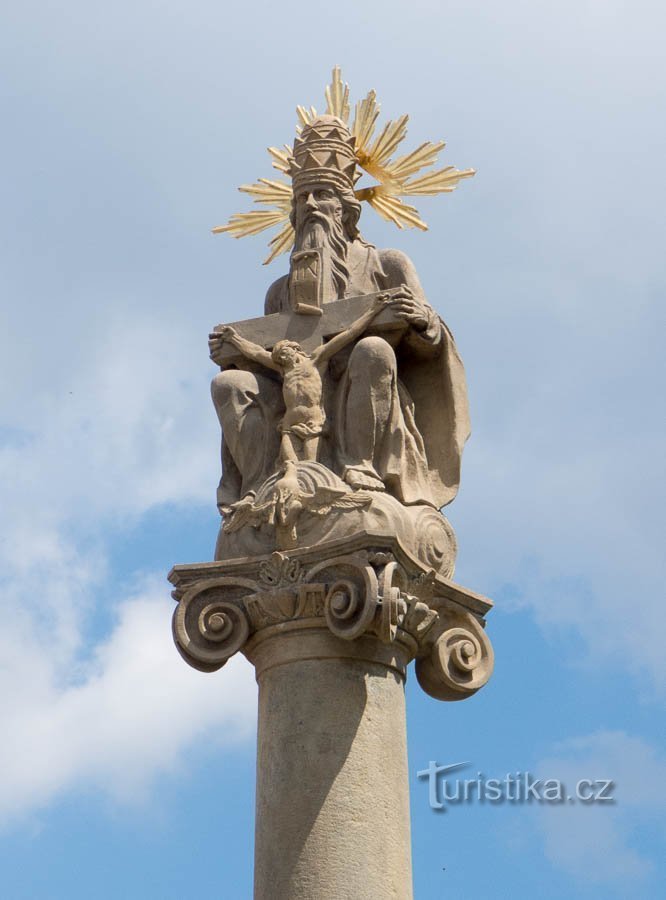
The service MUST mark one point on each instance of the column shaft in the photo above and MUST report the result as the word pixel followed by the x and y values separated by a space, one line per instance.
pixel 332 782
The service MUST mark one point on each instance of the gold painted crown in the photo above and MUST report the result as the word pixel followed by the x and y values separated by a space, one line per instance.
pixel 328 149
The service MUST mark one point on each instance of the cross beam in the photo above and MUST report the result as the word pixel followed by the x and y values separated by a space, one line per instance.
pixel 308 330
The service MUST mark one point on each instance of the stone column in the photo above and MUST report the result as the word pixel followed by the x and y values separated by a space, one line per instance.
pixel 330 631
pixel 332 781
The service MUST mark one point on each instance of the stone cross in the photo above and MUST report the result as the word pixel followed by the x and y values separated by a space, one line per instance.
pixel 309 330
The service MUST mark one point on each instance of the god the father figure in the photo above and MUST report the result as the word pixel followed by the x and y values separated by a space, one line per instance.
pixel 396 405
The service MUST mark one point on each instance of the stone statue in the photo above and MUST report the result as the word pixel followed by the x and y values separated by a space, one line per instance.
pixel 390 413
pixel 344 415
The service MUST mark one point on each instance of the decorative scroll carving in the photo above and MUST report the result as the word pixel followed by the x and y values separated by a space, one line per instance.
pixel 210 624
pixel 347 610
pixel 351 601
pixel 369 590
pixel 436 541
pixel 393 605
pixel 460 660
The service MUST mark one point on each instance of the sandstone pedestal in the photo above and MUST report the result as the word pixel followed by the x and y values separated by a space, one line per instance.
pixel 330 631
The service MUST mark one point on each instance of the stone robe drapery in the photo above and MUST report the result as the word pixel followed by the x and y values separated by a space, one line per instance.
pixel 428 422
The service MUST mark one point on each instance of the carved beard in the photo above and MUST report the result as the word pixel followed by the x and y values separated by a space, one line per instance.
pixel 320 231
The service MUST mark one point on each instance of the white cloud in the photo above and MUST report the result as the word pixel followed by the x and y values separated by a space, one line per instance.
pixel 79 707
pixel 564 540
pixel 562 494
pixel 596 843
pixel 115 720
pixel 117 430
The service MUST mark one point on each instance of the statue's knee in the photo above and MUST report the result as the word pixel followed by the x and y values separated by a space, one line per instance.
pixel 229 383
pixel 220 386
pixel 372 357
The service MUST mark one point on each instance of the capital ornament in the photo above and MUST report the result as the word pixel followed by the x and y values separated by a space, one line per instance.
pixel 224 608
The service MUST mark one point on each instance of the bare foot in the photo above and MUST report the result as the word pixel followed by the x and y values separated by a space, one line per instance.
pixel 363 478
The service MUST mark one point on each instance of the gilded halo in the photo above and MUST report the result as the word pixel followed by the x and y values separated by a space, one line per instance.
pixel 396 178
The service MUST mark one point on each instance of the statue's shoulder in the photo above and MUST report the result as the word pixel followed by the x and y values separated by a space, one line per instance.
pixel 277 296
pixel 398 267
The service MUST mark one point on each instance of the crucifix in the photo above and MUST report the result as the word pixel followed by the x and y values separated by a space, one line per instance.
pixel 308 330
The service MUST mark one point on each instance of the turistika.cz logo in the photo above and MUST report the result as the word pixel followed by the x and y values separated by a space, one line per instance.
pixel 514 788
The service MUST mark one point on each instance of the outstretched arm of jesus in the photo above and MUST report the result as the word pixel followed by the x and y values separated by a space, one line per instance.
pixel 324 352
pixel 247 348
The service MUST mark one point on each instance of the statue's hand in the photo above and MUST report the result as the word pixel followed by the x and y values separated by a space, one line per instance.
pixel 380 302
pixel 227 333
pixel 216 341
pixel 413 311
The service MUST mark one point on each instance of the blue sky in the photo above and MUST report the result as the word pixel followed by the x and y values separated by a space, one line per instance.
pixel 126 130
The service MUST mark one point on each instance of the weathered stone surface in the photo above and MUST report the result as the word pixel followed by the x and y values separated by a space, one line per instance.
pixel 332 786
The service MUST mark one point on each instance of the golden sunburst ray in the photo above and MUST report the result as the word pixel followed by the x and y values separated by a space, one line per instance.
pixel 437 182
pixel 401 213
pixel 421 158
pixel 337 97
pixel 267 191
pixel 281 158
pixel 392 208
pixel 365 118
pixel 305 116
pixel 389 138
pixel 282 242
pixel 396 177
pixel 244 224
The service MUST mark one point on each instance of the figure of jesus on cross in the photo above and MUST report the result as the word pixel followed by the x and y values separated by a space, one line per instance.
pixel 304 420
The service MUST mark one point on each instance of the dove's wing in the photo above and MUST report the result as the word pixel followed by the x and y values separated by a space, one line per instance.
pixel 237 519
pixel 353 500
pixel 320 502
pixel 327 494
pixel 324 499
pixel 249 514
